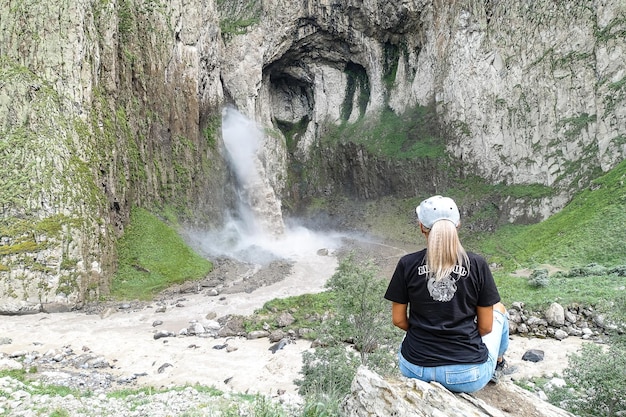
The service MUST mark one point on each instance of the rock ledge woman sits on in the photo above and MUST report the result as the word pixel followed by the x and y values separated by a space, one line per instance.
pixel 447 302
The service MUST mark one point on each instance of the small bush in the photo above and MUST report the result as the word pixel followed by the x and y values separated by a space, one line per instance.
pixel 359 333
pixel 618 270
pixel 328 370
pixel 363 316
pixel 539 278
pixel 592 269
pixel 597 376
pixel 320 404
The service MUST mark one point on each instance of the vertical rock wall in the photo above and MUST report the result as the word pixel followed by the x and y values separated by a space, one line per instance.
pixel 535 88
pixel 103 105
pixel 531 91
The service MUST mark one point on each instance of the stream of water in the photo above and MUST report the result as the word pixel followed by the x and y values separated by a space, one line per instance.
pixel 254 232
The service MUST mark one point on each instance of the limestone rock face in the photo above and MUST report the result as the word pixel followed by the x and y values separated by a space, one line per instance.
pixel 533 93
pixel 103 106
pixel 374 396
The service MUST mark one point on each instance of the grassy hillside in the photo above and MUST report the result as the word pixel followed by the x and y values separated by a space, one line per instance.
pixel 585 241
pixel 412 135
pixel 590 229
pixel 153 256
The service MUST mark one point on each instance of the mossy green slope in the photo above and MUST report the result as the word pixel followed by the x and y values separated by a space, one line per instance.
pixel 153 256
pixel 590 229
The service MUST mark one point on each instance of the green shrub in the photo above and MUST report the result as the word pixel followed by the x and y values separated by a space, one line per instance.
pixel 597 376
pixel 359 332
pixel 320 404
pixel 539 278
pixel 328 370
pixel 619 270
pixel 265 407
pixel 592 269
pixel 362 315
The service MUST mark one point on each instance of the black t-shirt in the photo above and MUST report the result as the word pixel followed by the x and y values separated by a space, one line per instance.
pixel 442 315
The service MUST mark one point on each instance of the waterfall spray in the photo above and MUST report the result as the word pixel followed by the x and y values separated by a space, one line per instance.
pixel 255 232
pixel 259 208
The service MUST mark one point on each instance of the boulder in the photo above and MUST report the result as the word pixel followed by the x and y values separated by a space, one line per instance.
pixel 373 395
pixel 555 315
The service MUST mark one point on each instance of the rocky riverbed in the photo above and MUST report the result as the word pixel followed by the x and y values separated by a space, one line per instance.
pixel 185 337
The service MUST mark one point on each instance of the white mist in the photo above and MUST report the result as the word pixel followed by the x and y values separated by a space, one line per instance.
pixel 255 232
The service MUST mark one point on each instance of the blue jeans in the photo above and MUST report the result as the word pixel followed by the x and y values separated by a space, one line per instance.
pixel 465 377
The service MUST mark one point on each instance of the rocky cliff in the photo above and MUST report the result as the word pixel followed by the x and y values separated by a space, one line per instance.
pixel 530 92
pixel 107 104
pixel 104 105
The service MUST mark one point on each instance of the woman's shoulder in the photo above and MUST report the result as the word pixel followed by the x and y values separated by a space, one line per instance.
pixel 475 257
pixel 413 256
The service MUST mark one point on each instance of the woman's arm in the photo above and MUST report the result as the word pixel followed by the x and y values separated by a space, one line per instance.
pixel 398 315
pixel 484 316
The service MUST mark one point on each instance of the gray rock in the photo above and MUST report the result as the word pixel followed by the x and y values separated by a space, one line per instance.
pixel 18 308
pixel 195 328
pixel 599 320
pixel 281 344
pixel 533 355
pixel 285 320
pixel 10 364
pixel 515 316
pixel 573 331
pixel 211 325
pixel 587 331
pixel 56 308
pixel 570 317
pixel 163 333
pixel 257 334
pixel 555 383
pixel 372 395
pixel 560 334
pixel 555 315
pixel 276 335
pixel 163 367
pixel 90 361
pixel 518 306
pixel 536 322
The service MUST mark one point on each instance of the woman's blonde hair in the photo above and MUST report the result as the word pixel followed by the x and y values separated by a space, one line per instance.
pixel 444 250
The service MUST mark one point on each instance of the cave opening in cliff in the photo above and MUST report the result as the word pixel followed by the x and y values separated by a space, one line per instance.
pixel 254 230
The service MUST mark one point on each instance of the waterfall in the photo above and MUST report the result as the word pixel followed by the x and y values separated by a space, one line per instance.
pixel 259 208
pixel 255 231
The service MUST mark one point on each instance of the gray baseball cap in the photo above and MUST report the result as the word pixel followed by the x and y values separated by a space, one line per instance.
pixel 437 208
